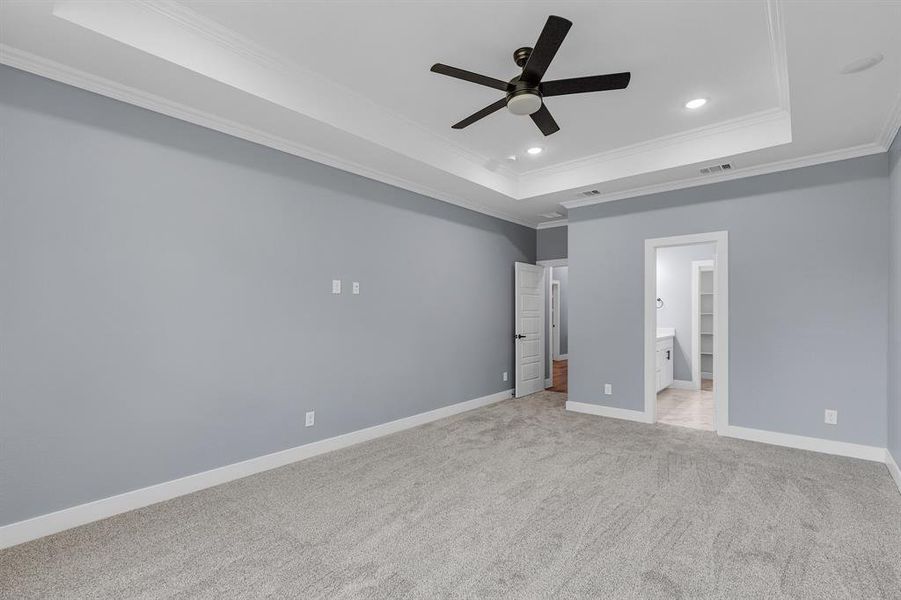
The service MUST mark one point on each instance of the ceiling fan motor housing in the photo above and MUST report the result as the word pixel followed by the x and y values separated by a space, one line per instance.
pixel 523 98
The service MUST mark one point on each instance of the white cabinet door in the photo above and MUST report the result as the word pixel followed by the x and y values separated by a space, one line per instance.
pixel 668 365
pixel 664 363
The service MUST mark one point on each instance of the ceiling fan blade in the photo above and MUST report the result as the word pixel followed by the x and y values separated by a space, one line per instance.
pixel 545 121
pixel 470 76
pixel 545 49
pixel 580 85
pixel 481 114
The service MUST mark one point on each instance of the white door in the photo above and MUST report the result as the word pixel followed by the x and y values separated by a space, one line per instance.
pixel 529 288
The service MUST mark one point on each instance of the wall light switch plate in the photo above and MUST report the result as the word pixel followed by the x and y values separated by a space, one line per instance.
pixel 311 418
pixel 608 389
pixel 356 287
pixel 505 376
pixel 831 417
pixel 336 286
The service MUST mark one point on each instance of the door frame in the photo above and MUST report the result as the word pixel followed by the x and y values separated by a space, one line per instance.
pixel 555 320
pixel 697 266
pixel 720 239
pixel 549 362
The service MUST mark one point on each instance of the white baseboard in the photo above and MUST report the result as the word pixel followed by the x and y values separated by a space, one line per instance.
pixel 788 440
pixel 31 529
pixel 893 468
pixel 608 411
pixel 801 442
pixel 547 383
pixel 681 384
pixel 562 357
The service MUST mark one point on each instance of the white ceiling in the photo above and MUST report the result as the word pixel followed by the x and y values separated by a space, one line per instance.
pixel 348 84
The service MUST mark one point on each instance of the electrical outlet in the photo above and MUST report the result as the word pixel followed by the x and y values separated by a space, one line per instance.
pixel 311 418
pixel 356 287
pixel 336 286
pixel 608 389
pixel 831 417
pixel 505 376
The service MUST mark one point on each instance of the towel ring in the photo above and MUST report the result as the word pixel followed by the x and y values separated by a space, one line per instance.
pixel 659 302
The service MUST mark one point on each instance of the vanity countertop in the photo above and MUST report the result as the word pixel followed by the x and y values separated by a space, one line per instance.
pixel 665 332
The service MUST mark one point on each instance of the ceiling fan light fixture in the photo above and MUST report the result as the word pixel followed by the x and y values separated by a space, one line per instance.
pixel 696 103
pixel 525 103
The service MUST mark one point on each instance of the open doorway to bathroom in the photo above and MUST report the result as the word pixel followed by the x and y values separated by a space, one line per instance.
pixel 557 325
pixel 685 277
pixel 685 335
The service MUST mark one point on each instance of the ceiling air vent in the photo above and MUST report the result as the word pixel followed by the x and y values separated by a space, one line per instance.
pixel 589 193
pixel 713 169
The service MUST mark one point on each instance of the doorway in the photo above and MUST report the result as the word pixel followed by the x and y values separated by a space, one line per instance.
pixel 686 331
pixel 557 325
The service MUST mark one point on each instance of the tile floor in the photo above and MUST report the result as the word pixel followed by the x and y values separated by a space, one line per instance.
pixel 687 408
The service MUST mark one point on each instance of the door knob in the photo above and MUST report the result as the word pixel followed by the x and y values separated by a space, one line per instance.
pixel 518 336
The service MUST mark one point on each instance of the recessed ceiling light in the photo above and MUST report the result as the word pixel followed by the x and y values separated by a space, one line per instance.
pixel 511 157
pixel 535 150
pixel 696 103
pixel 862 64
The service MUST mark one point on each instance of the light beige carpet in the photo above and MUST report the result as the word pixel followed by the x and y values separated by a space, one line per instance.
pixel 517 500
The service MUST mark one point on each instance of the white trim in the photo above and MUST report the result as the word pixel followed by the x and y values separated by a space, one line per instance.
pixel 802 442
pixel 681 384
pixel 563 357
pixel 696 267
pixel 607 411
pixel 787 440
pixel 893 468
pixel 690 136
pixel 58 72
pixel 738 173
pixel 892 124
pixel 31 529
pixel 555 321
pixel 550 224
pixel 720 320
pixel 553 262
pixel 548 382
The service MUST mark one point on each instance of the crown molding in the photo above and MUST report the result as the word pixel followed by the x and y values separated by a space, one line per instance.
pixel 778 52
pixel 891 126
pixel 37 65
pixel 779 67
pixel 691 136
pixel 265 58
pixel 270 66
pixel 551 224
pixel 764 169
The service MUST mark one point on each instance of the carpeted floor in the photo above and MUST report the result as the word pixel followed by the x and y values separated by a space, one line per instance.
pixel 517 500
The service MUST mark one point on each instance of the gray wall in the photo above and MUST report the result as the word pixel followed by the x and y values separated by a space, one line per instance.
pixel 674 287
pixel 165 299
pixel 808 264
pixel 561 274
pixel 551 243
pixel 894 366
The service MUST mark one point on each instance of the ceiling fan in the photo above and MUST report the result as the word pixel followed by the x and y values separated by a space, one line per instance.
pixel 526 91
